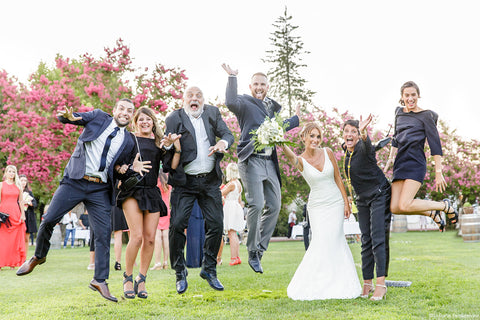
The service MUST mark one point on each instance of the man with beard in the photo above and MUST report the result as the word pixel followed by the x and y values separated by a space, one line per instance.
pixel 89 178
pixel 197 177
pixel 259 171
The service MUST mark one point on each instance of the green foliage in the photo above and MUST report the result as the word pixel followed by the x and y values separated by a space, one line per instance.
pixel 286 83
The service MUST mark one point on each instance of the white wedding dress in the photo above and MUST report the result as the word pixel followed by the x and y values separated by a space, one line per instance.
pixel 327 270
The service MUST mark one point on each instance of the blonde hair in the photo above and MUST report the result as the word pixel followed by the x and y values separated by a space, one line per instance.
pixel 308 127
pixel 16 179
pixel 232 171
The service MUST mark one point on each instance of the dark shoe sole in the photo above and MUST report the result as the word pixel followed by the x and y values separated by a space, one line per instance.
pixel 95 289
pixel 40 261
pixel 257 271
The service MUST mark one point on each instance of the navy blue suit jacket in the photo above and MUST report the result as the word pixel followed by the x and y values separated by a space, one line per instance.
pixel 95 122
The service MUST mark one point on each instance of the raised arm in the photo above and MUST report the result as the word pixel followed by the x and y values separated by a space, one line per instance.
pixel 232 100
pixel 292 157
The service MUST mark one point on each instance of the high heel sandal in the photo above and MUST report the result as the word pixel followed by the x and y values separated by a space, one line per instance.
pixel 129 294
pixel 142 294
pixel 384 296
pixel 365 296
pixel 165 265
pixel 448 206
pixel 441 223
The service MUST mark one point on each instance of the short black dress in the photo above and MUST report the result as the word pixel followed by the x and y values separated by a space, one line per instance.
pixel 30 217
pixel 411 130
pixel 146 191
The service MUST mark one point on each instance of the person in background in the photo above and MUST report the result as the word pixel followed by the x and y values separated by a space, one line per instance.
pixel 29 203
pixel 233 221
pixel 119 225
pixel 12 238
pixel 70 222
pixel 161 237
pixel 83 221
pixel 292 220
pixel 306 228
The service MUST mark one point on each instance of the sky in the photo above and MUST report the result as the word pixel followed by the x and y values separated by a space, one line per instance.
pixel 361 52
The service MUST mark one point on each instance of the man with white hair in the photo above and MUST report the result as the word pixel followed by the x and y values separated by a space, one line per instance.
pixel 197 177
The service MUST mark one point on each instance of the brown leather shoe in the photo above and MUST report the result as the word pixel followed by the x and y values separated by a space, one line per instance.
pixel 29 265
pixel 102 287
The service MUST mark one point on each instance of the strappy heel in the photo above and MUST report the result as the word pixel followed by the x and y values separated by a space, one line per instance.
pixel 365 296
pixel 384 296
pixel 448 206
pixel 129 294
pixel 441 223
pixel 142 294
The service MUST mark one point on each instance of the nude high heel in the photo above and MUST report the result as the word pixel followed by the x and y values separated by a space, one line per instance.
pixel 365 296
pixel 384 296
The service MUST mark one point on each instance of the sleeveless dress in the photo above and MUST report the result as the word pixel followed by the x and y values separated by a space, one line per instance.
pixel 232 210
pixel 327 270
pixel 12 239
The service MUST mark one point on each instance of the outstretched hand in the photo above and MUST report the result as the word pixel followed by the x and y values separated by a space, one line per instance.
pixel 170 139
pixel 440 183
pixel 68 114
pixel 141 166
pixel 219 147
pixel 229 70
pixel 362 125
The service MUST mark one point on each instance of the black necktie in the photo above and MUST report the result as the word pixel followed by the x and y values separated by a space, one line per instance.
pixel 103 160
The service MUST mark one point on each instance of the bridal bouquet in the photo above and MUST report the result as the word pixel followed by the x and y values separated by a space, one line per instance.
pixel 270 133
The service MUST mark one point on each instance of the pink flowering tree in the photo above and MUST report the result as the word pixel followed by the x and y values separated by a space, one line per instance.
pixel 34 140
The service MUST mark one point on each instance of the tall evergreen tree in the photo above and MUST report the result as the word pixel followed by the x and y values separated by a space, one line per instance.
pixel 286 84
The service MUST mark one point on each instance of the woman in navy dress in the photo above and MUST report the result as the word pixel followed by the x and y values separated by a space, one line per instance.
pixel 144 205
pixel 413 126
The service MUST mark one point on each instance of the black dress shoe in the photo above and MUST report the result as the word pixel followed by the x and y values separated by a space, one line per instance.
pixel 102 288
pixel 29 265
pixel 182 283
pixel 254 262
pixel 212 280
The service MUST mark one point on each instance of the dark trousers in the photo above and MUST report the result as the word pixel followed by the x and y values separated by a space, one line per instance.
pixel 374 220
pixel 206 190
pixel 96 197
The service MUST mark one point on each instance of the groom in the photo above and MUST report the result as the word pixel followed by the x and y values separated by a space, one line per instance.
pixel 259 171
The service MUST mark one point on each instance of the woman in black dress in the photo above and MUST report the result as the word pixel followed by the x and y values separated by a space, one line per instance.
pixel 412 126
pixel 144 205
pixel 373 193
pixel 30 204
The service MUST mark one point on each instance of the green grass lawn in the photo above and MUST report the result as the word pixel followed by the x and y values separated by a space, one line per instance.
pixel 445 275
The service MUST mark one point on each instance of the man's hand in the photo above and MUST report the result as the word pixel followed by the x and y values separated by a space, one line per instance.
pixel 68 114
pixel 169 139
pixel 219 147
pixel 141 166
pixel 229 70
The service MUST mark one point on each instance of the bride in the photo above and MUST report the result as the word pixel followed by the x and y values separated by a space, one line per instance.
pixel 327 270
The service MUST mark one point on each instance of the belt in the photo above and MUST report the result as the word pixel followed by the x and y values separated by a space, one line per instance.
pixel 201 175
pixel 92 179
pixel 261 156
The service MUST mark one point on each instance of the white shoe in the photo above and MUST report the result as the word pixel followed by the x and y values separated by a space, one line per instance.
pixel 91 266
pixel 157 266
pixel 384 296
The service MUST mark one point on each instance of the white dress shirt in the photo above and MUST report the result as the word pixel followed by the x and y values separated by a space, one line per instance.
pixel 202 163
pixel 94 150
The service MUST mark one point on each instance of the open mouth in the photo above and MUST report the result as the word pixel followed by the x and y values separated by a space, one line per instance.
pixel 194 106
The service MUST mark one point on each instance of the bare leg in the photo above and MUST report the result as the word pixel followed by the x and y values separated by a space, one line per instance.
pixel 380 289
pixel 150 222
pixel 134 217
pixel 27 240
pixel 166 250
pixel 219 254
pixel 117 245
pixel 232 235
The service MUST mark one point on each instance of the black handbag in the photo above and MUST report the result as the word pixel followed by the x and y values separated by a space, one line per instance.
pixel 4 218
pixel 130 182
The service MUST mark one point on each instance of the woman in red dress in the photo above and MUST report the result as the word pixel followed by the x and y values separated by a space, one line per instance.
pixel 12 238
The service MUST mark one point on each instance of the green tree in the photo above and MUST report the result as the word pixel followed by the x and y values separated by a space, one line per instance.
pixel 286 83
